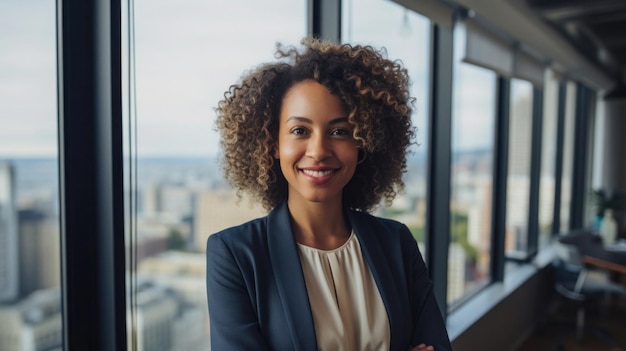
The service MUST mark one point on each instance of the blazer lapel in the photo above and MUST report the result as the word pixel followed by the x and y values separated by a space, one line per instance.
pixel 365 229
pixel 290 279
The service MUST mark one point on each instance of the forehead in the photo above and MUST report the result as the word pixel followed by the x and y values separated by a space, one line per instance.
pixel 309 99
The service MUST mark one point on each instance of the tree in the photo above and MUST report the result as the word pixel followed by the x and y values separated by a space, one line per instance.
pixel 176 241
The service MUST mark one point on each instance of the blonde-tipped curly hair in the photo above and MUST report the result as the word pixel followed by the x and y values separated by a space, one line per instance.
pixel 374 91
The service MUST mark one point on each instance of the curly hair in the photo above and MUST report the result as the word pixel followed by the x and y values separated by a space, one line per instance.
pixel 375 93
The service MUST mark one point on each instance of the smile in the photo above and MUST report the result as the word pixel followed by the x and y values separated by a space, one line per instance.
pixel 317 174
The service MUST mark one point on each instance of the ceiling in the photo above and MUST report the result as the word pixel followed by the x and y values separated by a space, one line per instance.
pixel 596 28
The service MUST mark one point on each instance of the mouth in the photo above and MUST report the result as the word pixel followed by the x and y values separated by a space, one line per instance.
pixel 317 173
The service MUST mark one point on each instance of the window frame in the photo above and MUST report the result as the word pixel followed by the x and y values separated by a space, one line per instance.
pixel 90 122
pixel 582 144
pixel 439 160
pixel 90 174
pixel 532 234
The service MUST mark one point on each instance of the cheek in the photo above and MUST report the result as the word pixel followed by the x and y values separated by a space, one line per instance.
pixel 287 151
pixel 351 153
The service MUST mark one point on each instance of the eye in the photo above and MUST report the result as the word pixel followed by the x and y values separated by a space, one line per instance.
pixel 340 132
pixel 298 131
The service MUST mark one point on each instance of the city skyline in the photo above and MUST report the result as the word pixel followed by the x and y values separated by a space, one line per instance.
pixel 177 89
pixel 178 204
pixel 178 207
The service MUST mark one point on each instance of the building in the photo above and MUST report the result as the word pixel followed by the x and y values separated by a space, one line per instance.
pixel 9 249
pixel 219 209
pixel 39 242
pixel 577 44
pixel 182 274
pixel 32 324
pixel 156 312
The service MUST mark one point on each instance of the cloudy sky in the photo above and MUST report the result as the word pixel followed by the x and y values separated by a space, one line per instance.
pixel 27 78
pixel 187 54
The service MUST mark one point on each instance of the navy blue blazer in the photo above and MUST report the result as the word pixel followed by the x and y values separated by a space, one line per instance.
pixel 258 298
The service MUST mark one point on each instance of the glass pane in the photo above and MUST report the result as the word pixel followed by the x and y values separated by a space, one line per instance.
pixel 518 181
pixel 30 295
pixel 548 157
pixel 473 118
pixel 597 152
pixel 589 215
pixel 186 55
pixel 405 36
pixel 568 156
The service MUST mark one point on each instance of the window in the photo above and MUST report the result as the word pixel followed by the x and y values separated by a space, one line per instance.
pixel 473 118
pixel 568 156
pixel 598 159
pixel 185 58
pixel 518 179
pixel 547 173
pixel 30 296
pixel 591 112
pixel 405 36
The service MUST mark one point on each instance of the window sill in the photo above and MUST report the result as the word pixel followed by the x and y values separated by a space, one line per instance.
pixel 472 311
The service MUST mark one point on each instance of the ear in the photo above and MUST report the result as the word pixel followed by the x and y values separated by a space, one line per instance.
pixel 361 155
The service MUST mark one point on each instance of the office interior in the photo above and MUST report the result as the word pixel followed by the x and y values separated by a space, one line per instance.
pixel 520 110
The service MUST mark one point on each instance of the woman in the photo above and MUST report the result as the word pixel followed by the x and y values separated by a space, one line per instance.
pixel 319 138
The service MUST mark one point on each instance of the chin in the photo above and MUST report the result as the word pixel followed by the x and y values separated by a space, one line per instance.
pixel 318 198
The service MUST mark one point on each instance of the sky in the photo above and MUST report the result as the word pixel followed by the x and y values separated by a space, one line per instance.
pixel 187 54
pixel 27 78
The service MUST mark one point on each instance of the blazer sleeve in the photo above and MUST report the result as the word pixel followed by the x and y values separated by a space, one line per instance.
pixel 430 327
pixel 233 320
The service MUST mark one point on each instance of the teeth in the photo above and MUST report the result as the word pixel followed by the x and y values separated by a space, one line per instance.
pixel 316 173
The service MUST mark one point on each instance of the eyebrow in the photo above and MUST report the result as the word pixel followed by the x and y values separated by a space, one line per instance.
pixel 308 121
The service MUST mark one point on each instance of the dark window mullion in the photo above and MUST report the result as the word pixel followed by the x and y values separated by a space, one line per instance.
pixel 581 146
pixel 500 169
pixel 90 162
pixel 535 171
pixel 325 19
pixel 439 161
pixel 558 170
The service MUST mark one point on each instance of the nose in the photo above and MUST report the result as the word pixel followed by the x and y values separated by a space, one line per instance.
pixel 318 147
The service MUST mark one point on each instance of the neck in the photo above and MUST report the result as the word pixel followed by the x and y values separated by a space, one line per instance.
pixel 319 225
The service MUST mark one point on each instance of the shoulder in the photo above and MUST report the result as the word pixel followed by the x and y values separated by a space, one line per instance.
pixel 389 240
pixel 390 235
pixel 383 226
pixel 246 234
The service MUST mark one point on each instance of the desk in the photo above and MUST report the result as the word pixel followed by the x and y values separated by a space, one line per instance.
pixel 594 253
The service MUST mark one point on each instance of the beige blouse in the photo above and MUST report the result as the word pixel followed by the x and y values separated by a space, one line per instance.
pixel 348 311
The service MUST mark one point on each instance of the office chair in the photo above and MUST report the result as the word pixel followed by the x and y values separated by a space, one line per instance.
pixel 575 282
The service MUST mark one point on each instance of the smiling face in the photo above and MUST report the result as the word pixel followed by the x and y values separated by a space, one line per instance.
pixel 316 150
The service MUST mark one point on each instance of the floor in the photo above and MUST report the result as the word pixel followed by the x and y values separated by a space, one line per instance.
pixel 606 322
